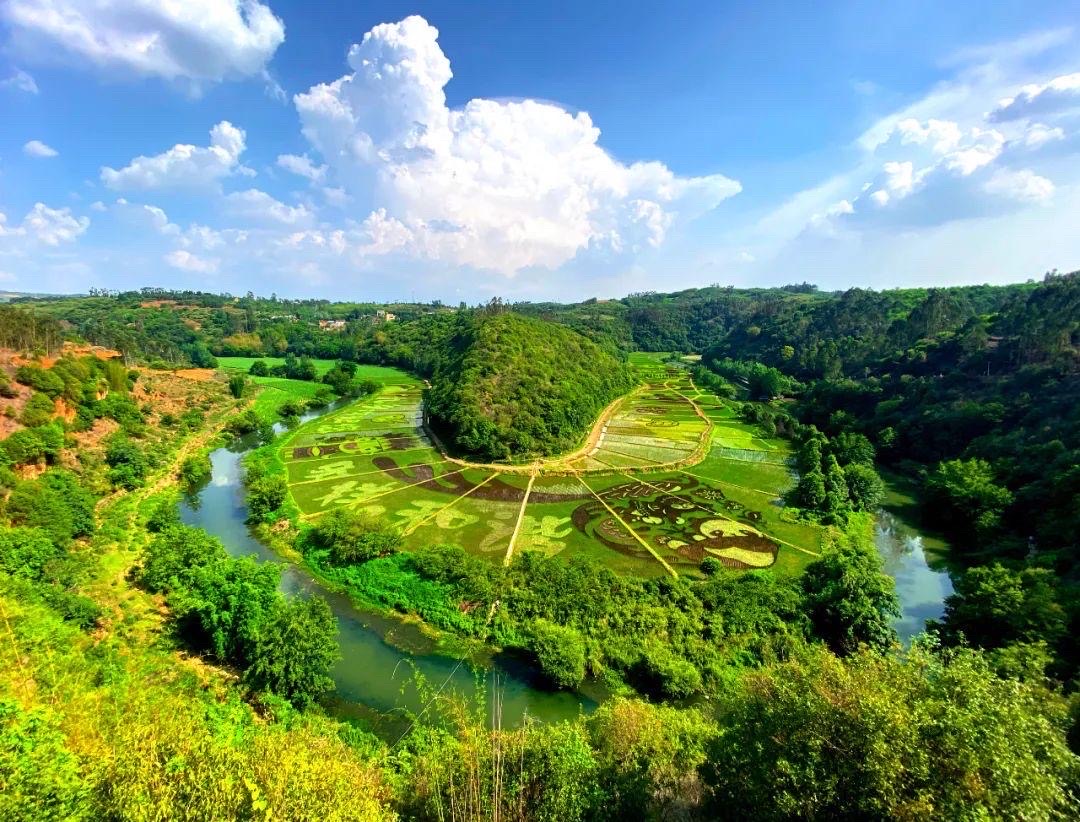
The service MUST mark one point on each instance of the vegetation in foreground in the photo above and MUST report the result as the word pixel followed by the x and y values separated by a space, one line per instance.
pixel 103 716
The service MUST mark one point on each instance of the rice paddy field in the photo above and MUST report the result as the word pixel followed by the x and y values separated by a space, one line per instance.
pixel 669 476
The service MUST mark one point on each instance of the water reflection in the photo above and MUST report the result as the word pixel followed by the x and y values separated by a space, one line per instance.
pixel 921 588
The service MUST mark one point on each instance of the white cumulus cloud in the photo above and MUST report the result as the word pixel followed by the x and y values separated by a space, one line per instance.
pixel 496 185
pixel 186 261
pixel 1024 185
pixel 48 226
pixel 36 148
pixel 195 40
pixel 1038 135
pixel 1040 99
pixel 258 206
pixel 184 166
pixel 302 166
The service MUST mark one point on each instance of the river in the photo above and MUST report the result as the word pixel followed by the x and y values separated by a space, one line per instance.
pixel 913 558
pixel 376 677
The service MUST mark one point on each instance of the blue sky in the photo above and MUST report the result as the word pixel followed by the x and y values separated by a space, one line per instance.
pixel 534 151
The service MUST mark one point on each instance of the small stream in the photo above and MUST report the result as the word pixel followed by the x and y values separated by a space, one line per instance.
pixel 375 677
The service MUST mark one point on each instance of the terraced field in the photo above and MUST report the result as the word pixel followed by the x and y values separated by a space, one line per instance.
pixel 669 476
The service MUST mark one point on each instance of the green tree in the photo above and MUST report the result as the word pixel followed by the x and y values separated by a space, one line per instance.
pixel 354 536
pixel 127 463
pixel 810 492
pixel 850 448
pixel 837 503
pixel 295 651
pixel 195 470
pixel 890 737
pixel 225 605
pixel 54 502
pixel 849 601
pixel 174 554
pixel 265 496
pixel 25 551
pixel 993 606
pixel 259 369
pixel 963 498
pixel 560 651
pixel 865 487
pixel 37 411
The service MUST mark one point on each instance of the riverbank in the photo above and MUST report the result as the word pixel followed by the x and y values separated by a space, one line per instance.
pixel 384 658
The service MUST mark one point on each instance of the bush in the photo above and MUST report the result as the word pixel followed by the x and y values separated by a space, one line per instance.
pixel 72 607
pixel 265 497
pixel 292 408
pixel 259 369
pixel 38 411
pixel 48 382
pixel 354 536
pixel 710 566
pixel 195 470
pixel 237 383
pixel 560 652
pixel 668 674
pixel 33 445
pixel 127 463
pixel 56 503
pixel 25 551
pixel 295 651
pixel 40 777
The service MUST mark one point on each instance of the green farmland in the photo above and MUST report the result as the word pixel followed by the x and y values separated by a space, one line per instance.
pixel 363 372
pixel 669 477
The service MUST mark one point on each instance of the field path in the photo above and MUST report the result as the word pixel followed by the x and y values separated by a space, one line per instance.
pixel 532 467
pixel 560 465
pixel 520 519
pixel 630 530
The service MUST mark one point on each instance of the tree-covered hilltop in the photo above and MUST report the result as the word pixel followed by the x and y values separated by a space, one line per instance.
pixel 513 386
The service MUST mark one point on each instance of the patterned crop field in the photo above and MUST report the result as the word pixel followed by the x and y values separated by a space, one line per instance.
pixel 659 491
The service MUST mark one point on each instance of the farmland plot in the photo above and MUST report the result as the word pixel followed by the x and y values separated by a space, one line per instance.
pixel 655 494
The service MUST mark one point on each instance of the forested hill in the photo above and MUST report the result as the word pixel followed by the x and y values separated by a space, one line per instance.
pixel 512 386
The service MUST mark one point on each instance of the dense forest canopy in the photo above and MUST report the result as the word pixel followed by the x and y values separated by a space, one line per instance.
pixel 514 386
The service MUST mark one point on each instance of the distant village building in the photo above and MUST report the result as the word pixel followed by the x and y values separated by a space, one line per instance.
pixel 332 325
pixel 382 316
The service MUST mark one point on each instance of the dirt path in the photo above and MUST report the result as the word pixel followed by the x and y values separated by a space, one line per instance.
pixel 538 465
pixel 561 463
pixel 630 530
pixel 517 525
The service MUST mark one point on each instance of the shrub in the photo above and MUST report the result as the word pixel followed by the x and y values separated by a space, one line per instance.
pixel 195 470
pixel 265 496
pixel 54 502
pixel 237 383
pixel 560 651
pixel 295 651
pixel 259 369
pixel 355 536
pixel 25 551
pixel 127 463
pixel 48 382
pixel 38 411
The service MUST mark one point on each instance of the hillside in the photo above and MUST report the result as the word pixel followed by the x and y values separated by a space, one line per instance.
pixel 512 386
